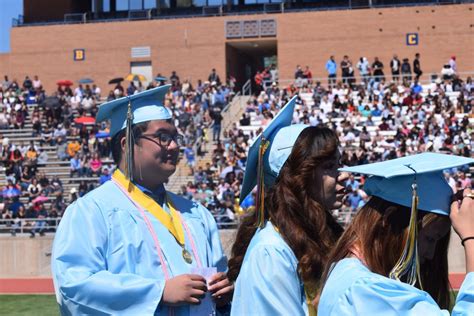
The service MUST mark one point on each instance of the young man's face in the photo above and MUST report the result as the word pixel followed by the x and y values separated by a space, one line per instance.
pixel 154 161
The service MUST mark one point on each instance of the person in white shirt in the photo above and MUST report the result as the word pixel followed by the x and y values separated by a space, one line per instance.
pixel 37 83
pixel 75 101
pixel 79 91
pixel 96 91
pixel 326 105
pixel 452 63
pixel 88 103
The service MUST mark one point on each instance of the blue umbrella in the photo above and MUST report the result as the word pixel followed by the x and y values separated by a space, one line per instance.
pixel 161 78
pixel 102 134
pixel 10 192
pixel 86 80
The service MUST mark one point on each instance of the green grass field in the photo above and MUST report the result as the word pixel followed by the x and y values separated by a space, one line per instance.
pixel 37 305
pixel 41 305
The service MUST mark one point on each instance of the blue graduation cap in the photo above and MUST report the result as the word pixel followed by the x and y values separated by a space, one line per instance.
pixel 269 152
pixel 416 182
pixel 145 106
pixel 281 120
pixel 392 180
pixel 127 111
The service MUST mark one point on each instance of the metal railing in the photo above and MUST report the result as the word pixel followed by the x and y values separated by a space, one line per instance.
pixel 212 10
pixel 75 18
pixel 26 225
pixel 50 224
pixel 194 12
pixel 424 79
pixel 139 14
pixel 247 88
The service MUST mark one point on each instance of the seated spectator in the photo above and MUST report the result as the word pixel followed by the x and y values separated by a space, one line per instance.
pixel 76 166
pixel 39 225
pixel 88 103
pixel 31 156
pixel 245 120
pixel 355 199
pixel 4 119
pixel 105 176
pixel 185 193
pixel 47 136
pixel 34 189
pixel 62 148
pixel 72 148
pixel 352 183
pixel 26 177
pixel 95 164
pixel 73 196
pixel 15 205
pixel 42 157
pixel 84 188
pixel 17 220
pixel 59 132
pixel 85 165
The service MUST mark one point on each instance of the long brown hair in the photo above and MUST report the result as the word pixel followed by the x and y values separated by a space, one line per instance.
pixel 307 227
pixel 379 231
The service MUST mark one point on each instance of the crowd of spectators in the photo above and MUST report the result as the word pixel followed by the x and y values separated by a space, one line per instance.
pixel 65 119
pixel 375 118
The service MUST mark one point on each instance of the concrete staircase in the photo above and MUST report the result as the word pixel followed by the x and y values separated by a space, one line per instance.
pixel 53 166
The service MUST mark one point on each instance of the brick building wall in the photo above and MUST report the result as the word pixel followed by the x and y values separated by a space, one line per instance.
pixel 193 46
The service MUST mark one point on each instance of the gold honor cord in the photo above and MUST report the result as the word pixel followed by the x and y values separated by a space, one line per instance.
pixel 408 264
pixel 171 221
pixel 260 211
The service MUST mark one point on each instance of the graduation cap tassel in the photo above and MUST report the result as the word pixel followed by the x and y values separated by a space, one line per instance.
pixel 129 143
pixel 408 265
pixel 260 212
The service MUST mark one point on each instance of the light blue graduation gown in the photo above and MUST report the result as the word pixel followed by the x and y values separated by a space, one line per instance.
pixel 352 289
pixel 104 260
pixel 268 282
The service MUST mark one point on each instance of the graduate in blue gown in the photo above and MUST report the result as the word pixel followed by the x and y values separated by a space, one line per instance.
pixel 280 249
pixel 130 247
pixel 392 259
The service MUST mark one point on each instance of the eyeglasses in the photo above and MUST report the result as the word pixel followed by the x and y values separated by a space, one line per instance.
pixel 164 139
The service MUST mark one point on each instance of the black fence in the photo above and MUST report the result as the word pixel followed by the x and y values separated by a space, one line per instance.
pixel 228 9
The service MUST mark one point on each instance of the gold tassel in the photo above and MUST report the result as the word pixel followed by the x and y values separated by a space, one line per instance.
pixel 129 142
pixel 408 264
pixel 260 203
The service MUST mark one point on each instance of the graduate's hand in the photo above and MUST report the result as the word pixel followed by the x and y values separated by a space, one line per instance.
pixel 221 288
pixel 462 219
pixel 462 216
pixel 184 289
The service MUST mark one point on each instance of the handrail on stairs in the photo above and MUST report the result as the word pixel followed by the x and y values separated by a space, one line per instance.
pixel 247 88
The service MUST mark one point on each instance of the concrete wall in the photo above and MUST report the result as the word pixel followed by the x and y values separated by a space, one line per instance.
pixel 22 257
pixel 25 257
pixel 193 46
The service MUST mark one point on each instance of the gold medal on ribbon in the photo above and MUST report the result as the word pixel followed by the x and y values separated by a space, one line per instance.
pixel 187 256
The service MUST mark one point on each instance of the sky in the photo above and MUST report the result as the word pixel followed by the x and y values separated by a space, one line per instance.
pixel 8 9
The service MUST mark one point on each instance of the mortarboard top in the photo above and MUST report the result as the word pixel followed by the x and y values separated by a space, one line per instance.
pixel 146 106
pixel 281 135
pixel 392 180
